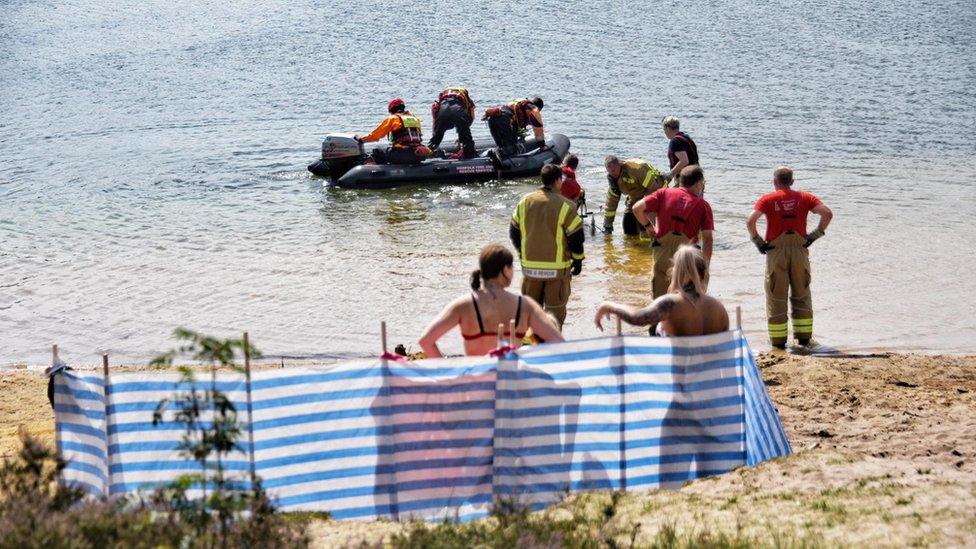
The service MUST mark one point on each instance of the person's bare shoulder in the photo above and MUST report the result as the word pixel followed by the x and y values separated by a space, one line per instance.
pixel 715 309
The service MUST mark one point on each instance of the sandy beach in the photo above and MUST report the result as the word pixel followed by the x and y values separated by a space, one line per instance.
pixel 885 454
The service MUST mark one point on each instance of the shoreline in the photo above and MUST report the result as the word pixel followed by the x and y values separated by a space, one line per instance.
pixel 279 361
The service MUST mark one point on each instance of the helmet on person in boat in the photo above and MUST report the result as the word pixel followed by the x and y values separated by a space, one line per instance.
pixel 395 105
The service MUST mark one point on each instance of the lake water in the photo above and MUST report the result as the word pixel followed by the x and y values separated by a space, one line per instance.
pixel 152 162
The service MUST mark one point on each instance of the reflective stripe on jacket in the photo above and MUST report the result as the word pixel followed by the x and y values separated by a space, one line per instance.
pixel 545 222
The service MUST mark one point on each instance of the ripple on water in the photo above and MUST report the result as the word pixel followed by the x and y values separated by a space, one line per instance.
pixel 152 163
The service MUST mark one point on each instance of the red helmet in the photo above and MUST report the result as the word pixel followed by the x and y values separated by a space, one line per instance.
pixel 394 104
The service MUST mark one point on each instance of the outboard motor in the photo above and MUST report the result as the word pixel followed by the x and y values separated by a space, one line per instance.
pixel 340 153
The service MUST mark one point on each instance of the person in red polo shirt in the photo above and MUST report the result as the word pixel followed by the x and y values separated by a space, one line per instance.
pixel 787 257
pixel 682 214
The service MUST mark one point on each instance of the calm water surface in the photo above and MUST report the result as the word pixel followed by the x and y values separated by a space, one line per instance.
pixel 152 161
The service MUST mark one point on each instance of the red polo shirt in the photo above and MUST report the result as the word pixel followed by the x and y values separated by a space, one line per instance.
pixel 786 210
pixel 680 210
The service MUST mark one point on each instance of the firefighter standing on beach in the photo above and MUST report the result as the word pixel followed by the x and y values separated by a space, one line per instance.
pixel 549 238
pixel 787 257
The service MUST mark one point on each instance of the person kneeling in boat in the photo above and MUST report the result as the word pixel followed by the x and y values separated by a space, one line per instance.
pixel 507 125
pixel 489 305
pixel 453 109
pixel 685 310
pixel 406 138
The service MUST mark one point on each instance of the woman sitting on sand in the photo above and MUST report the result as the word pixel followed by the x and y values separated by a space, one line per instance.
pixel 685 310
pixel 489 305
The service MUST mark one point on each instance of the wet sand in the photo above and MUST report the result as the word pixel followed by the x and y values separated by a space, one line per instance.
pixel 885 455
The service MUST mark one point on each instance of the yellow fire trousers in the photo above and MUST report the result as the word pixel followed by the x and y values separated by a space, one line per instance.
pixel 788 278
pixel 663 253
pixel 551 293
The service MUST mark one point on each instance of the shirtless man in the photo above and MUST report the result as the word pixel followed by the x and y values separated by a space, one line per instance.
pixel 685 310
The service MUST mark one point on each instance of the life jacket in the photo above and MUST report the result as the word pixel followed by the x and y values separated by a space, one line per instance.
pixel 692 150
pixel 409 133
pixel 458 94
pixel 522 111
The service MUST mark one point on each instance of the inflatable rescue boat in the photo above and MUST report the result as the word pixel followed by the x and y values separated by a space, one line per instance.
pixel 347 163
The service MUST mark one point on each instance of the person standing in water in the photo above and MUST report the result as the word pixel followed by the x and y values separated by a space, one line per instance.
pixel 548 234
pixel 488 305
pixel 685 310
pixel 633 178
pixel 682 150
pixel 571 188
pixel 682 215
pixel 787 257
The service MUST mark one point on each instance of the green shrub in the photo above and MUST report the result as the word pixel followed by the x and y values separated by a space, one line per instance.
pixel 38 511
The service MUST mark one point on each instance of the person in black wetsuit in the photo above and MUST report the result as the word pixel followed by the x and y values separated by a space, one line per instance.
pixel 453 109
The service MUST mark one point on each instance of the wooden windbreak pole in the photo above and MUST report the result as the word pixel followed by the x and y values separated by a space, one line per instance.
pixel 108 442
pixel 387 459
pixel 501 335
pixel 620 326
pixel 250 411
pixel 512 340
pixel 50 395
pixel 738 316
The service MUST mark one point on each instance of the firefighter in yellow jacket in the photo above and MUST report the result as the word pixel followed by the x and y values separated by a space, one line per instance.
pixel 634 178
pixel 549 237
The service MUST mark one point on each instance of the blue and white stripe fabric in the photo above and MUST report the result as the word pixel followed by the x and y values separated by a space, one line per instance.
pixel 144 456
pixel 79 411
pixel 443 438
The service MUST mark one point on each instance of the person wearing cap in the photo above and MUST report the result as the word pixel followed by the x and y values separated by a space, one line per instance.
pixel 507 125
pixel 682 151
pixel 682 217
pixel 403 130
pixel 787 255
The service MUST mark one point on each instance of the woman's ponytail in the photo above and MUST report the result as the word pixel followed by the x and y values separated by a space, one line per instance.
pixel 476 279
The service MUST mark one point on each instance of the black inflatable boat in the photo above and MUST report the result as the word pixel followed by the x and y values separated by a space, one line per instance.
pixel 348 164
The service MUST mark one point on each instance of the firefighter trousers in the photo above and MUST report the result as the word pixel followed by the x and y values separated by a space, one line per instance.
pixel 788 279
pixel 551 293
pixel 663 250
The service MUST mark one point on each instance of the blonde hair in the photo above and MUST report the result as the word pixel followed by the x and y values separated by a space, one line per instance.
pixel 689 269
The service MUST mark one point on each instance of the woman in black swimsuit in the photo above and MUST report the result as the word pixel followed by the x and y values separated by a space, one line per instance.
pixel 488 305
